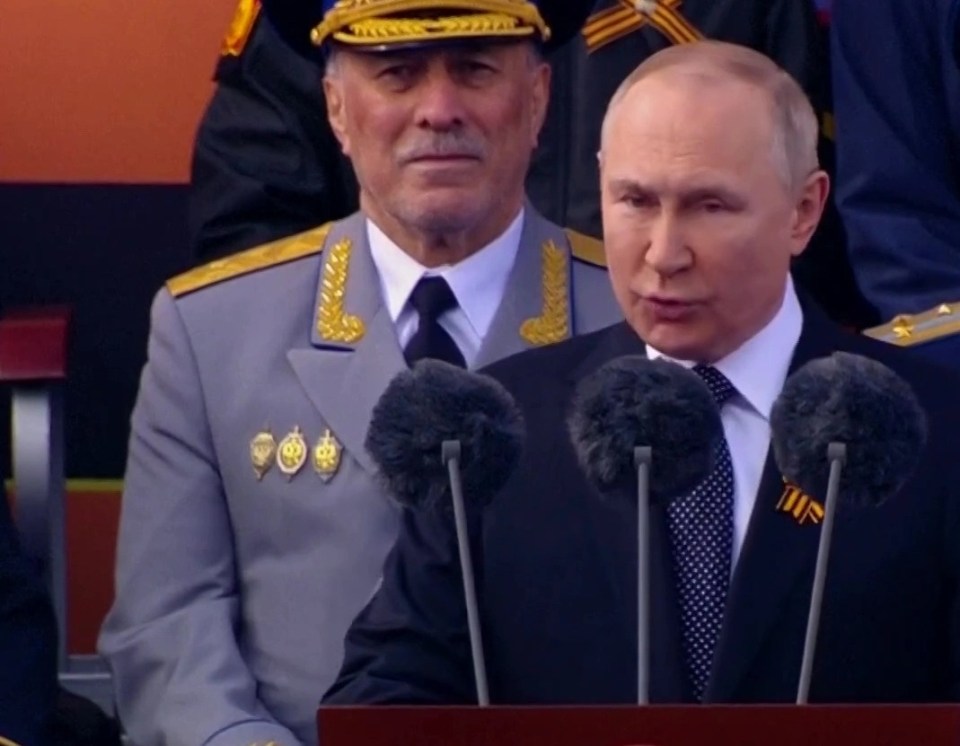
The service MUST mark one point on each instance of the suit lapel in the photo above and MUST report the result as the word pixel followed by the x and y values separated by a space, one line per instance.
pixel 523 298
pixel 777 552
pixel 613 521
pixel 345 377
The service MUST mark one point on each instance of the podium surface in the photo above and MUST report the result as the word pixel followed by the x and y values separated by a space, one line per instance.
pixel 667 725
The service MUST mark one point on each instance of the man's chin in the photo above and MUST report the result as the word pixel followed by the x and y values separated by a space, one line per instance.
pixel 441 216
pixel 675 340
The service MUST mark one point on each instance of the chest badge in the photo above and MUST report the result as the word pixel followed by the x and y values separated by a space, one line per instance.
pixel 292 453
pixel 326 456
pixel 263 450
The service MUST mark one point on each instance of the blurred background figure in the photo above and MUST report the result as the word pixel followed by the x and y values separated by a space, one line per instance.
pixel 896 89
pixel 28 645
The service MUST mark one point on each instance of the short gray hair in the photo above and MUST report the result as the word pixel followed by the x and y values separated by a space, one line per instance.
pixel 795 130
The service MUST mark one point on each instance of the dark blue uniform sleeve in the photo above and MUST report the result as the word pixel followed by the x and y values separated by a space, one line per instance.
pixel 410 645
pixel 897 101
pixel 28 636
pixel 266 163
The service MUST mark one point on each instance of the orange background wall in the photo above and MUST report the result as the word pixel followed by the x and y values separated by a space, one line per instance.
pixel 105 90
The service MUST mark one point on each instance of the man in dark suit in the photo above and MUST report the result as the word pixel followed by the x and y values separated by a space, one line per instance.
pixel 28 645
pixel 710 185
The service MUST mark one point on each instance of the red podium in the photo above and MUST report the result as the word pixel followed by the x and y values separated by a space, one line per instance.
pixel 733 725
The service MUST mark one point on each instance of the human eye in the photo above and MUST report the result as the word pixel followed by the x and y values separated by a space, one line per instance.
pixel 713 206
pixel 475 69
pixel 638 200
pixel 396 75
pixel 714 202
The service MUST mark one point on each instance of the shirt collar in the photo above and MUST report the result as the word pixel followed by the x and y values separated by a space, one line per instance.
pixel 478 282
pixel 759 367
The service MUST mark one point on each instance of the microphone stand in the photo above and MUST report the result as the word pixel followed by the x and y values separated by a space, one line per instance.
pixel 450 453
pixel 642 456
pixel 837 456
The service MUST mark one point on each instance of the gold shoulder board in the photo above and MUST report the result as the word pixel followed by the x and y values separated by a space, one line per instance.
pixel 267 255
pixel 906 330
pixel 586 248
pixel 238 33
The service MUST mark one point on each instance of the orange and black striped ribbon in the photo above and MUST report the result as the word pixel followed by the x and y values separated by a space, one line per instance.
pixel 614 23
pixel 801 506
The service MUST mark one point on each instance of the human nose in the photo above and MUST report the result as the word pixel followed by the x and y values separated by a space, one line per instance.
pixel 441 103
pixel 667 252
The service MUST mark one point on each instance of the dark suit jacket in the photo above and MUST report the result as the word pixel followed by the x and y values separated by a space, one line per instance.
pixel 556 568
pixel 28 645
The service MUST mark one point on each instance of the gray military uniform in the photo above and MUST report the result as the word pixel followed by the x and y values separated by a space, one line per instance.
pixel 235 586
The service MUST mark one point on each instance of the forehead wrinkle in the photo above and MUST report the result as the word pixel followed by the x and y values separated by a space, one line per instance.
pixel 708 94
pixel 712 128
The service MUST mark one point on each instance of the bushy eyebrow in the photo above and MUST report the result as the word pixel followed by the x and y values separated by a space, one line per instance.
pixel 699 193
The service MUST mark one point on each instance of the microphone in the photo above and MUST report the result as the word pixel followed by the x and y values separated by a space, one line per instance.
pixel 440 430
pixel 847 427
pixel 655 422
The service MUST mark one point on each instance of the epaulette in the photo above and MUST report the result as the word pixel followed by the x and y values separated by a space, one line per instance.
pixel 241 26
pixel 906 330
pixel 586 248
pixel 260 257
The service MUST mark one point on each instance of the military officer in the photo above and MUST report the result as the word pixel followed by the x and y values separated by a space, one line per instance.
pixel 253 528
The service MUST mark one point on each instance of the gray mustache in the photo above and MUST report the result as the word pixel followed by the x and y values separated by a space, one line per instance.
pixel 448 145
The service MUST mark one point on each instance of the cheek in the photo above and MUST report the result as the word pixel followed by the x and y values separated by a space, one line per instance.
pixel 510 112
pixel 624 239
pixel 372 142
pixel 745 271
pixel 624 253
pixel 732 247
pixel 373 121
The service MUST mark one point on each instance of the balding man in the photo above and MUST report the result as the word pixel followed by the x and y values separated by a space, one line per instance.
pixel 710 186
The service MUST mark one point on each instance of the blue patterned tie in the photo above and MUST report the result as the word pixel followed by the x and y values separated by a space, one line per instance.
pixel 701 538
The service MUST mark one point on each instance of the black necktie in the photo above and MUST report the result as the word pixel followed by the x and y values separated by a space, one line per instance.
pixel 430 298
pixel 701 537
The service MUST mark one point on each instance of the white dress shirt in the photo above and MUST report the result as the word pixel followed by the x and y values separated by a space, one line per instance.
pixel 757 369
pixel 478 283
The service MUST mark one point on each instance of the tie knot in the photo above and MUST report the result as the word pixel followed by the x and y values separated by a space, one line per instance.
pixel 431 297
pixel 719 384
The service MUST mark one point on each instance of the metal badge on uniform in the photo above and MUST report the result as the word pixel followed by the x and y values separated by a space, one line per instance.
pixel 326 456
pixel 263 449
pixel 798 504
pixel 292 453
